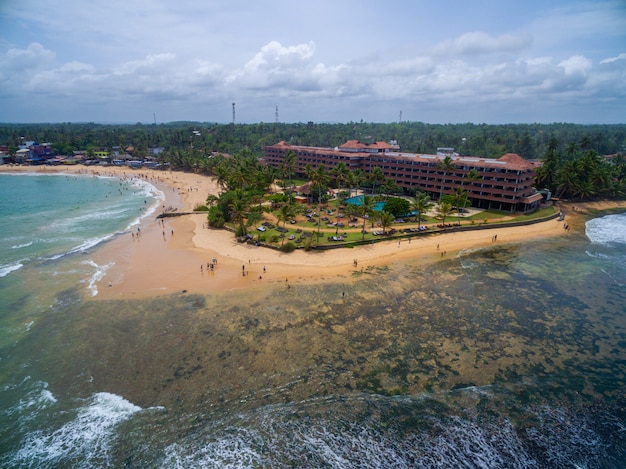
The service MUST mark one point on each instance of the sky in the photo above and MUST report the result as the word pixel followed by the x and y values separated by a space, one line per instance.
pixel 444 61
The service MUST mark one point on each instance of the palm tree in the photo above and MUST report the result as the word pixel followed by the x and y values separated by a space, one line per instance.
pixel 366 208
pixel 473 175
pixel 254 217
pixel 310 175
pixel 340 173
pixel 566 179
pixel 444 165
pixel 238 208
pixel 385 219
pixel 460 199
pixel 290 161
pixel 319 178
pixel 357 178
pixel 421 204
pixel 221 175
pixel 376 176
pixel 285 213
pixel 351 210
pixel 444 209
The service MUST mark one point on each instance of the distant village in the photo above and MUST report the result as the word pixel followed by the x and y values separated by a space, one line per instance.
pixel 35 153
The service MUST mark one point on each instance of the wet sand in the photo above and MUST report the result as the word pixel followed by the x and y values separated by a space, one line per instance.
pixel 172 256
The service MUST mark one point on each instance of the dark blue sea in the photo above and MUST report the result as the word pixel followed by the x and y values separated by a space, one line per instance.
pixel 513 356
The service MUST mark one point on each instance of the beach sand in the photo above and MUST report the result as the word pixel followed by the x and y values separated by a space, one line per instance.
pixel 172 256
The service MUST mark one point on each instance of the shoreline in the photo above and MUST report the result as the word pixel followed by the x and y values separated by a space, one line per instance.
pixel 167 257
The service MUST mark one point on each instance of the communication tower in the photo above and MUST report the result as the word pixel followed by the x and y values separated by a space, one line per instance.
pixel 233 113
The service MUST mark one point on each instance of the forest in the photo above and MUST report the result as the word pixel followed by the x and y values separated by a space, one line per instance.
pixel 528 140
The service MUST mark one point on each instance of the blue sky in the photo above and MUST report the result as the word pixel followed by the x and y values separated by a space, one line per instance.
pixel 493 61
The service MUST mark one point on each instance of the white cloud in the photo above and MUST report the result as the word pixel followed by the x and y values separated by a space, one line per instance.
pixel 576 65
pixel 192 56
pixel 610 60
pixel 475 43
pixel 274 56
pixel 33 57
pixel 150 63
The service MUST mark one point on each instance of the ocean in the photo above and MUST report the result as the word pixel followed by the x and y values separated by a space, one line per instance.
pixel 511 356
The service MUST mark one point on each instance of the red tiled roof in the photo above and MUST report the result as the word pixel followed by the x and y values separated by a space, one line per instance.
pixel 514 161
pixel 356 144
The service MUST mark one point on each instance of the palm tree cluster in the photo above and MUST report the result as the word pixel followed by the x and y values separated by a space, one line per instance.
pixel 243 182
pixel 580 173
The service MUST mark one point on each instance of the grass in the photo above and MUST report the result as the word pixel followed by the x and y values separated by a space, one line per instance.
pixel 353 235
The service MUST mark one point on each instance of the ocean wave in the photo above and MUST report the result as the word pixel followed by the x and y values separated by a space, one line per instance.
pixel 401 433
pixel 100 271
pixel 6 269
pixel 453 442
pixel 86 438
pixel 152 192
pixel 24 245
pixel 68 224
pixel 83 247
pixel 610 229
pixel 34 399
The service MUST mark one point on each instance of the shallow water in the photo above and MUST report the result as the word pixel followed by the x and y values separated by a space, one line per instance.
pixel 509 356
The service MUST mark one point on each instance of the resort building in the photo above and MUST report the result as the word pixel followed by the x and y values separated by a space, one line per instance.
pixel 505 183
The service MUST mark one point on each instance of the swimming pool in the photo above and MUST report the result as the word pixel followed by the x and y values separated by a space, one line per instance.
pixel 358 201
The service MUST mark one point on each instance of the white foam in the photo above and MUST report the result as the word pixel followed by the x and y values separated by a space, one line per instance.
pixel 610 229
pixel 19 246
pixel 6 269
pixel 34 401
pixel 87 437
pixel 100 271
pixel 150 191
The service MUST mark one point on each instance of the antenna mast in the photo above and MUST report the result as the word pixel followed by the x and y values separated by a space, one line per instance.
pixel 276 115
pixel 400 118
pixel 233 113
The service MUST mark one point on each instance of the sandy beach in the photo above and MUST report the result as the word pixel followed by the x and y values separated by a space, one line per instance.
pixel 172 255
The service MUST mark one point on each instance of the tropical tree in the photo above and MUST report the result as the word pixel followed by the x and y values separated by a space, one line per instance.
pixel 340 173
pixel 386 220
pixel 421 204
pixel 444 209
pixel 445 165
pixel 254 218
pixel 319 179
pixel 397 206
pixel 290 162
pixel 310 174
pixel 356 179
pixel 546 174
pixel 376 176
pixel 366 209
pixel 351 211
pixel 285 213
pixel 391 187
pixel 238 208
pixel 459 200
pixel 472 176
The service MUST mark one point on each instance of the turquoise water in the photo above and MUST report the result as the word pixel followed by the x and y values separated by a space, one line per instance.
pixel 358 201
pixel 506 357
pixel 51 223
